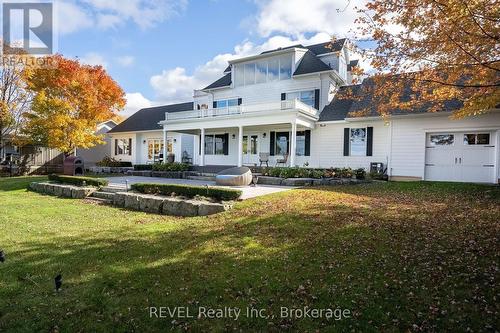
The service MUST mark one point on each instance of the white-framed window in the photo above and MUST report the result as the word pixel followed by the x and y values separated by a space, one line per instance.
pixel 224 103
pixel 282 143
pixel 215 144
pixel 358 141
pixel 441 139
pixel 476 139
pixel 262 71
pixel 301 143
pixel 155 148
pixel 123 146
pixel 306 97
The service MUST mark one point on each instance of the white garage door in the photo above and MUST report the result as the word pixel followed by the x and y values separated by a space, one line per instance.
pixel 460 157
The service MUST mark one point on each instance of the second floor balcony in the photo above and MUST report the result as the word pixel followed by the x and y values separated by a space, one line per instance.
pixel 240 110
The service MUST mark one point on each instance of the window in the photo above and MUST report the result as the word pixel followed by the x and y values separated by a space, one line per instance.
pixel 261 72
pixel 273 70
pixel 442 139
pixel 254 141
pixel 306 97
pixel 249 74
pixel 477 139
pixel 155 148
pixel 358 142
pixel 215 144
pixel 301 144
pixel 223 103
pixel 285 67
pixel 123 146
pixel 281 143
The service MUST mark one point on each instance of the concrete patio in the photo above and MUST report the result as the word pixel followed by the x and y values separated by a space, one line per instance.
pixel 248 191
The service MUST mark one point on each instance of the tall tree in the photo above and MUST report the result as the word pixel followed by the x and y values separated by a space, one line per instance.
pixel 70 99
pixel 14 98
pixel 439 50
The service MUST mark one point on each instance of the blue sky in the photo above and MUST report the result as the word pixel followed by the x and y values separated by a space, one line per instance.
pixel 159 50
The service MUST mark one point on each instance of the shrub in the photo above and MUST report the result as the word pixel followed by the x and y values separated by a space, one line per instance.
pixel 176 166
pixel 113 163
pixel 318 174
pixel 79 181
pixel 143 167
pixel 360 173
pixel 188 191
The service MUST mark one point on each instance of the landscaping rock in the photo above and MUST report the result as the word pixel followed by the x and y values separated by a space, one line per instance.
pixel 142 173
pixel 207 208
pixel 66 192
pixel 131 201
pixel 297 181
pixel 168 174
pixel 58 191
pixel 150 203
pixel 266 180
pixel 179 207
pixel 119 199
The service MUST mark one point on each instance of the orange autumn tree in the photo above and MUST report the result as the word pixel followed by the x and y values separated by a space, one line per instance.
pixel 430 52
pixel 70 99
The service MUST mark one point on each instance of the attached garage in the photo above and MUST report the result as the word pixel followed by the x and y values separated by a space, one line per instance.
pixel 461 156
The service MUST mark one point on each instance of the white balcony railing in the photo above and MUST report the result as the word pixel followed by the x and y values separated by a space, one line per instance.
pixel 287 105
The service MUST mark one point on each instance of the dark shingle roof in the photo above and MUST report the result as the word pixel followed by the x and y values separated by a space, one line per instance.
pixel 311 64
pixel 224 81
pixel 147 119
pixel 322 48
pixel 360 98
pixel 228 69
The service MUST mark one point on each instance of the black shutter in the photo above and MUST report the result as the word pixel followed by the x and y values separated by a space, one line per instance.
pixel 130 146
pixel 369 141
pixel 308 143
pixel 316 99
pixel 271 143
pixel 199 145
pixel 288 143
pixel 226 144
pixel 198 106
pixel 346 141
pixel 240 100
pixel 283 96
pixel 214 105
pixel 116 146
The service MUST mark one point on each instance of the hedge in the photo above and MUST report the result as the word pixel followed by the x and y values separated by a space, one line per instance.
pixel 143 167
pixel 297 172
pixel 176 166
pixel 79 181
pixel 113 163
pixel 188 191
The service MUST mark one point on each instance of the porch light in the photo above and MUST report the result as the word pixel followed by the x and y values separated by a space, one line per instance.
pixel 233 136
pixel 144 141
pixel 264 135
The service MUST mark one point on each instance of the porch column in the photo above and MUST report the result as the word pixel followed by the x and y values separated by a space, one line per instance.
pixel 240 146
pixel 202 147
pixel 165 145
pixel 293 144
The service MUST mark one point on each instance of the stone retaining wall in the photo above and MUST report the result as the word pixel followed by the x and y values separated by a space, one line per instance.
pixel 62 190
pixel 167 205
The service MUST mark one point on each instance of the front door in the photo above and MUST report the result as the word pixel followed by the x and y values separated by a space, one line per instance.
pixel 460 157
pixel 250 149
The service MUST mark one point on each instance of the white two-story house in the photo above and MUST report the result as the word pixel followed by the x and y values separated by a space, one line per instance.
pixel 290 104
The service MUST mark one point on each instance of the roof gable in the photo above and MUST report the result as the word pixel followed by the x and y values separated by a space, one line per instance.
pixel 310 64
pixel 224 81
pixel 327 47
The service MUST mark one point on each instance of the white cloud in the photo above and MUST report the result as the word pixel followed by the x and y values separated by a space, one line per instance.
pixel 296 17
pixel 94 59
pixel 75 15
pixel 135 102
pixel 176 85
pixel 125 61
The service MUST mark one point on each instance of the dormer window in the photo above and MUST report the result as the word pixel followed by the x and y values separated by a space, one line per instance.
pixel 262 71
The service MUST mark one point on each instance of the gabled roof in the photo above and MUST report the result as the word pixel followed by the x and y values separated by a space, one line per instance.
pixel 147 119
pixel 360 98
pixel 224 81
pixel 311 64
pixel 228 69
pixel 325 47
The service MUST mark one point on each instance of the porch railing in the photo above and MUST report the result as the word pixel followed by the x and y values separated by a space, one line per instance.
pixel 287 105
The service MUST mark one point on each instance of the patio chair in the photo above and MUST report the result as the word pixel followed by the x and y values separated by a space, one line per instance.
pixel 186 158
pixel 283 160
pixel 264 158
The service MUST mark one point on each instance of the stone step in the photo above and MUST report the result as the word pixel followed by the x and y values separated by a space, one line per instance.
pixel 204 178
pixel 99 201
pixel 113 189
pixel 103 195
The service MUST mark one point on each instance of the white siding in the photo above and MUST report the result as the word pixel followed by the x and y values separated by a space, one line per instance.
pixel 408 142
pixel 126 158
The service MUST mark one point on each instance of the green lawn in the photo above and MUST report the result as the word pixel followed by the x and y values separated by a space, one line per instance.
pixel 399 256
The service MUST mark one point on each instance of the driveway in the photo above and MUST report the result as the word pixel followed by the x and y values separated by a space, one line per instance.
pixel 248 191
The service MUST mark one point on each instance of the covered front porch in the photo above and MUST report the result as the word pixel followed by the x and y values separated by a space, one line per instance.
pixel 277 144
